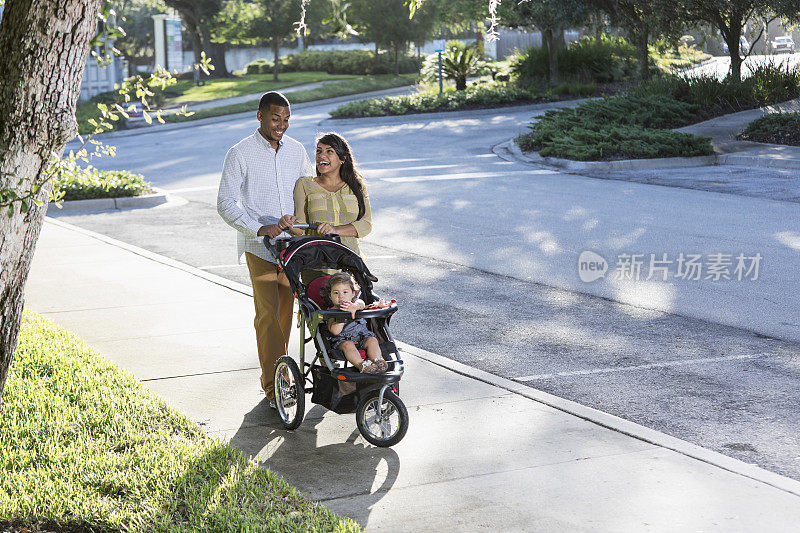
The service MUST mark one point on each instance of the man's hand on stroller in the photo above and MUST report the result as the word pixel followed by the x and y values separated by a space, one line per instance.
pixel 352 307
pixel 286 221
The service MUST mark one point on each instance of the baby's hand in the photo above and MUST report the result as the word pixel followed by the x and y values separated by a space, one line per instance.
pixel 352 307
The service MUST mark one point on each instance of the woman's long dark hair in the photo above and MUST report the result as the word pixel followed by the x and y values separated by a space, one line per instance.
pixel 347 171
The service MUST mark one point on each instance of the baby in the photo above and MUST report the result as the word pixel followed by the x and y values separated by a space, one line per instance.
pixel 352 335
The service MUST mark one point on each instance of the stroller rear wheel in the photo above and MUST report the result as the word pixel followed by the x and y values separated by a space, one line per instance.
pixel 290 395
pixel 384 425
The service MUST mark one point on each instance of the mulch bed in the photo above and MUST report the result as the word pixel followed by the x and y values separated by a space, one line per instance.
pixel 787 137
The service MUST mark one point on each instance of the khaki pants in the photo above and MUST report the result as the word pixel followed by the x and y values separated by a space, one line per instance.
pixel 274 304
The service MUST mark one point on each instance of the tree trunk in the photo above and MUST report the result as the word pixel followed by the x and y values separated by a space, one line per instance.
pixel 736 62
pixel 377 57
pixel 194 33
pixel 397 60
pixel 552 54
pixel 559 38
pixel 275 51
pixel 642 40
pixel 216 52
pixel 599 25
pixel 43 50
pixel 732 38
pixel 479 40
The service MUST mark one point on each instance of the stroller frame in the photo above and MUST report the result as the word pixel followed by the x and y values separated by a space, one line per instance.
pixel 381 416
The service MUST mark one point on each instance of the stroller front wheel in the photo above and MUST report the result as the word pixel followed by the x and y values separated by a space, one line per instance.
pixel 384 425
pixel 290 395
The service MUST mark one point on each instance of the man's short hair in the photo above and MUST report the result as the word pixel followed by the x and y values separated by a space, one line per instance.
pixel 272 98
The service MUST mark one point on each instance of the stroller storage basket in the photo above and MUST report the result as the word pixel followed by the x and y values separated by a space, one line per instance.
pixel 326 392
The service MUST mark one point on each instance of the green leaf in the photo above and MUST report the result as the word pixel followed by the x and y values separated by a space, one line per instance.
pixel 10 210
pixel 24 206
pixel 146 116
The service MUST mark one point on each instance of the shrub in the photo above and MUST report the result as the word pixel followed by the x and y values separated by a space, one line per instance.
pixel 770 82
pixel 477 95
pixel 574 88
pixel 656 111
pixel 767 84
pixel 598 129
pixel 624 142
pixel 777 128
pixel 610 59
pixel 356 62
pixel 459 61
pixel 630 126
pixel 78 183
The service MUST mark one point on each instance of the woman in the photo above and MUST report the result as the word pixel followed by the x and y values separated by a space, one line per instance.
pixel 336 198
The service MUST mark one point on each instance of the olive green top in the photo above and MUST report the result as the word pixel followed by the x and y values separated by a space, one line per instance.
pixel 314 204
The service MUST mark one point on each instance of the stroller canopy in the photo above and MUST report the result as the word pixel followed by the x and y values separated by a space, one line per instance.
pixel 308 253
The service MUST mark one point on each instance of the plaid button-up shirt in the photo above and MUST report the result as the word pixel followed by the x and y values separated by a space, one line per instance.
pixel 257 185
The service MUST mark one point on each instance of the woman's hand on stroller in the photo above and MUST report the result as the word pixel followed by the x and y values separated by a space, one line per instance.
pixel 323 228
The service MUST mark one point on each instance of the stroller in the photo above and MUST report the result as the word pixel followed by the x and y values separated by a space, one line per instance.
pixel 381 416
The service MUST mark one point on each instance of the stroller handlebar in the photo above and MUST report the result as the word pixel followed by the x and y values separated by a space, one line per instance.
pixel 286 235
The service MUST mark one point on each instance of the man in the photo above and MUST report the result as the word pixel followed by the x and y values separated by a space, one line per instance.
pixel 256 198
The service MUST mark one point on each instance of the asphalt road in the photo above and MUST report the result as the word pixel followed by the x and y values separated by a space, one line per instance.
pixel 718 66
pixel 482 254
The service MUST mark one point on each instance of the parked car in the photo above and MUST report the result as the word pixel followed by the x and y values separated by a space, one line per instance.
pixel 783 44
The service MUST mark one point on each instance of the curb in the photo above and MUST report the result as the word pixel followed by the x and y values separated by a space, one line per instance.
pixel 740 159
pixel 107 204
pixel 213 278
pixel 589 414
pixel 765 161
pixel 613 423
pixel 625 164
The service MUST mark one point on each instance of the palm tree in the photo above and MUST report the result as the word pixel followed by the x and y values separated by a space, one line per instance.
pixel 459 60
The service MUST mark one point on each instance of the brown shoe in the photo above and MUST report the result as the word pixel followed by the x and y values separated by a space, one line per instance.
pixel 382 365
pixel 369 368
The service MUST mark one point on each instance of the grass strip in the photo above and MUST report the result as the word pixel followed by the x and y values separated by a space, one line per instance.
pixel 85 446
pixel 478 95
pixel 774 128
pixel 216 88
pixel 357 85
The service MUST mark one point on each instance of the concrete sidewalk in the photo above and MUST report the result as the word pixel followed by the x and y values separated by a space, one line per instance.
pixel 481 453
pixel 723 131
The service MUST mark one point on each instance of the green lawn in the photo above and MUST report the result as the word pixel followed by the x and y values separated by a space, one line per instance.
pixel 248 84
pixel 355 85
pixel 85 446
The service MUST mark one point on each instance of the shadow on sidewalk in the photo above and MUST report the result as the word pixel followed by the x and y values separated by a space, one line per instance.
pixel 324 457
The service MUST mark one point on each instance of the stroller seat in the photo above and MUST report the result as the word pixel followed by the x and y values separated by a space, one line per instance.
pixel 314 291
